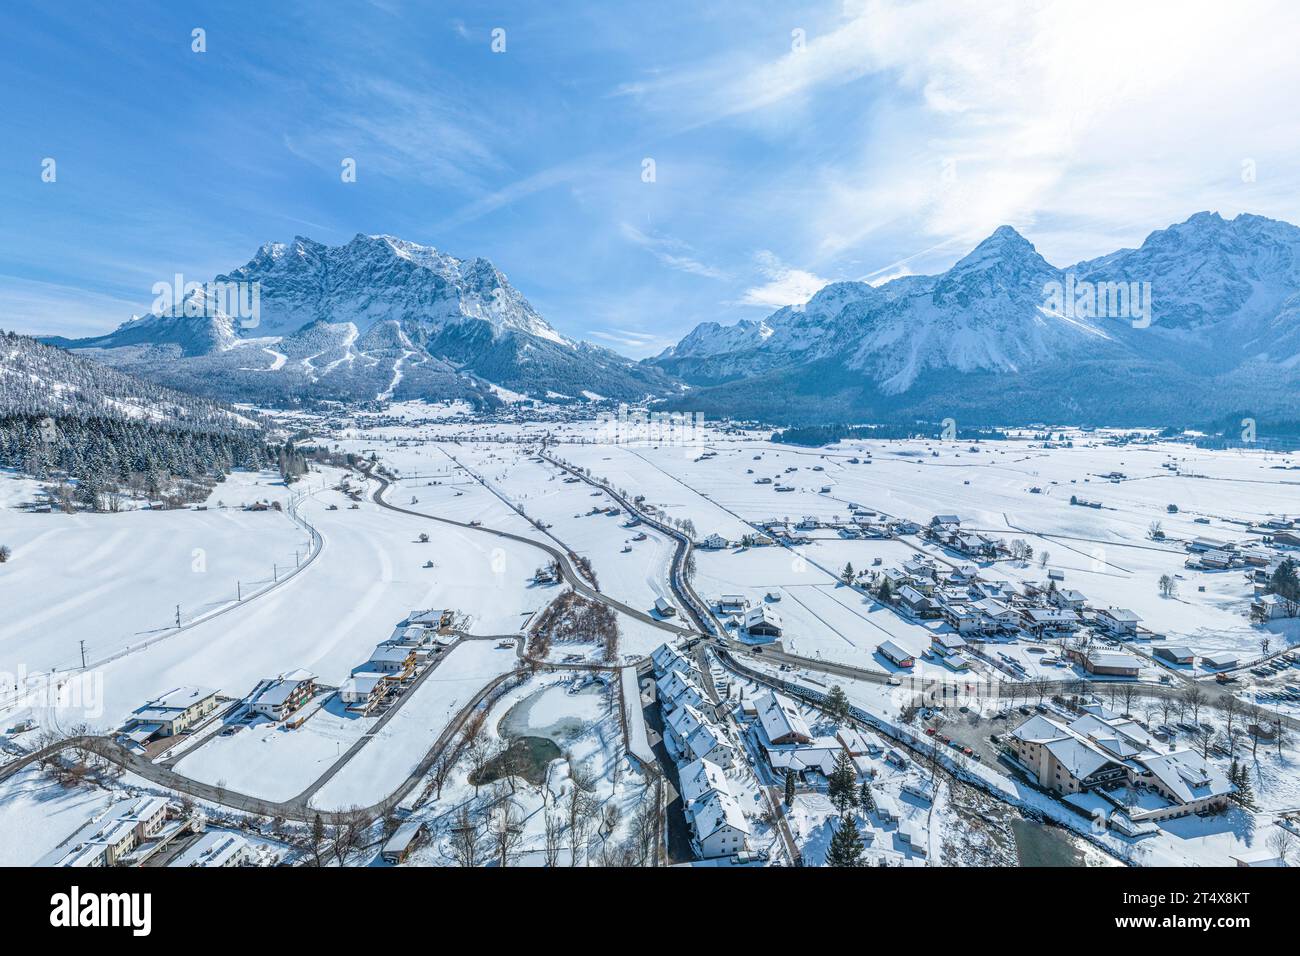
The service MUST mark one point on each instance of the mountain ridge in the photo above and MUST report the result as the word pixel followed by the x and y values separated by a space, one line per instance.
pixel 375 318
pixel 1222 332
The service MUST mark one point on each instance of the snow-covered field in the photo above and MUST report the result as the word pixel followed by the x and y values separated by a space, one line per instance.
pixel 114 580
pixel 393 753
pixel 368 577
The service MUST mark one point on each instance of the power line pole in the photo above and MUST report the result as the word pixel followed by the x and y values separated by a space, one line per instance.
pixel 178 616
pixel 239 592
pixel 83 655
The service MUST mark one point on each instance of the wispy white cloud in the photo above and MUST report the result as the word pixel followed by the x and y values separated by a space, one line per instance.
pixel 639 343
pixel 673 253
pixel 784 286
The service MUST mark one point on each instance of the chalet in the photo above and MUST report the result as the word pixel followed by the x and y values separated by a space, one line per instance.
pixel 1048 620
pixel 1118 621
pixel 895 654
pixel 715 542
pixel 938 520
pixel 279 698
pixel 1256 557
pixel 390 659
pixel 858 743
pixel 173 713
pixel 364 689
pixel 780 719
pixel 762 621
pixel 1290 539
pixel 945 644
pixel 918 567
pixel 1068 598
pixel 818 757
pixel 692 736
pixel 916 602
pixel 436 619
pixel 995 615
pixel 1258 857
pixel 1210 544
pixel 886 806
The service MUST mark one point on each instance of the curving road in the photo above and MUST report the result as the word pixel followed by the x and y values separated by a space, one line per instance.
pixel 567 571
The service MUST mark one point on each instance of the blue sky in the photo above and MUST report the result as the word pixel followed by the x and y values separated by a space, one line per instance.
pixel 793 143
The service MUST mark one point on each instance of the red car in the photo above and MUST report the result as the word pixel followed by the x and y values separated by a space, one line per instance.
pixel 929 731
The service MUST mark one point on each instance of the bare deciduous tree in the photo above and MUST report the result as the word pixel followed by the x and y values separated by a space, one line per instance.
pixel 466 845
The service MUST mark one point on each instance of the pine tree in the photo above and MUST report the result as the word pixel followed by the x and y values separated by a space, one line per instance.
pixel 866 800
pixel 789 789
pixel 886 593
pixel 847 574
pixel 842 785
pixel 846 844
pixel 837 703
pixel 1239 776
pixel 317 837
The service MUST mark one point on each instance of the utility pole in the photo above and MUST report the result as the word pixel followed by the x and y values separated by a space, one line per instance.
pixel 239 592
pixel 83 655
pixel 275 572
pixel 178 616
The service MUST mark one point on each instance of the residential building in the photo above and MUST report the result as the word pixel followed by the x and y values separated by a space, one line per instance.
pixel 216 848
pixel 780 719
pixel 719 826
pixel 1116 756
pixel 762 621
pixel 279 698
pixel 1118 621
pixel 172 713
pixel 110 836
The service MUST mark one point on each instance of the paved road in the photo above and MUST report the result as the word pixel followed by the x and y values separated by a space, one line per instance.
pixel 570 575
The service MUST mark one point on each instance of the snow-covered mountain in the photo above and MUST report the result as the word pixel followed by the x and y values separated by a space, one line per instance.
pixel 378 317
pixel 988 340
